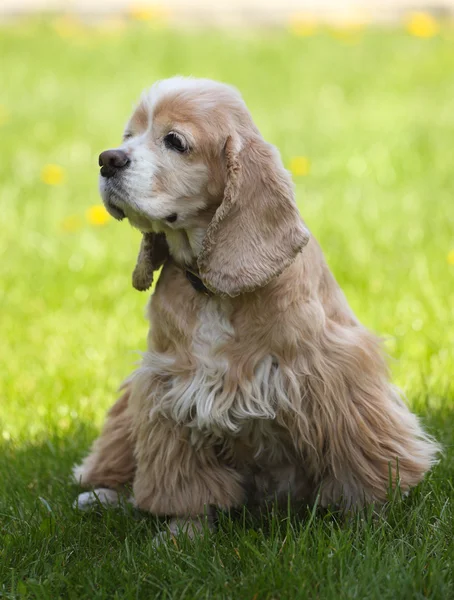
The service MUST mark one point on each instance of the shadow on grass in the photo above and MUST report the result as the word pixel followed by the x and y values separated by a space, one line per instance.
pixel 36 476
pixel 42 467
pixel 48 549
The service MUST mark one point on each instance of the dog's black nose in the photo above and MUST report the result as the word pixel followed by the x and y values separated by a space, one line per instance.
pixel 111 161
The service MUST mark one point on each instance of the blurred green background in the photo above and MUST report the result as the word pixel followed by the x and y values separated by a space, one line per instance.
pixel 364 119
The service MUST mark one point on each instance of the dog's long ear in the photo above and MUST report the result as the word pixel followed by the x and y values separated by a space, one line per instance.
pixel 257 230
pixel 152 255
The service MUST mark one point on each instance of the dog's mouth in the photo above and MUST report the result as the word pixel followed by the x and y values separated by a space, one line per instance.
pixel 112 200
pixel 119 205
pixel 119 209
pixel 115 211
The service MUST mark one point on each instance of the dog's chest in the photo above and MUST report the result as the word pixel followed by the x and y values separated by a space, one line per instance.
pixel 209 393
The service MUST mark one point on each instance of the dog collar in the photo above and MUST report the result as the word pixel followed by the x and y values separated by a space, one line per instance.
pixel 197 283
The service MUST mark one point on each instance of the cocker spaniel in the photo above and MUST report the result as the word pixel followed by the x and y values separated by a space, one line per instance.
pixel 258 381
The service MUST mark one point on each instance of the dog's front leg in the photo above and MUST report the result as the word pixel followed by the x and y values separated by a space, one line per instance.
pixel 110 464
pixel 177 479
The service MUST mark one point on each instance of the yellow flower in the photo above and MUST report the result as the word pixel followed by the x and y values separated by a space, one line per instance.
pixel 349 32
pixel 4 114
pixel 71 223
pixel 450 257
pixel 301 25
pixel 422 25
pixel 97 215
pixel 67 26
pixel 143 12
pixel 53 174
pixel 300 166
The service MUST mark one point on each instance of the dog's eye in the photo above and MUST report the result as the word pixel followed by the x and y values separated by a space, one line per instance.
pixel 175 141
pixel 127 135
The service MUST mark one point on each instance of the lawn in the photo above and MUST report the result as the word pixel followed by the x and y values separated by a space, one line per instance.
pixel 370 115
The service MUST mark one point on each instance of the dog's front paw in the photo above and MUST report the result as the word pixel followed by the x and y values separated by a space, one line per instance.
pixel 99 497
pixel 188 527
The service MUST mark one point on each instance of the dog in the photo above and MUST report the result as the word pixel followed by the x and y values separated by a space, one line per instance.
pixel 259 382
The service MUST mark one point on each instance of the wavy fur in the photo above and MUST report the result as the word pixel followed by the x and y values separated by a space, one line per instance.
pixel 271 386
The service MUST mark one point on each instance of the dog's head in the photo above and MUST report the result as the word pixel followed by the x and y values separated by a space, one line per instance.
pixel 193 167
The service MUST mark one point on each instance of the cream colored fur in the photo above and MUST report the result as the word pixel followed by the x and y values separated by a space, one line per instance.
pixel 270 385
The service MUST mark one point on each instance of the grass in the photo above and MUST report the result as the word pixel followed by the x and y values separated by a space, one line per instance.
pixel 376 120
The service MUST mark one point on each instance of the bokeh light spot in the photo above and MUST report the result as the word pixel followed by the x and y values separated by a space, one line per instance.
pixel 97 215
pixel 302 25
pixel 144 12
pixel 53 174
pixel 71 223
pixel 4 115
pixel 300 166
pixel 423 25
